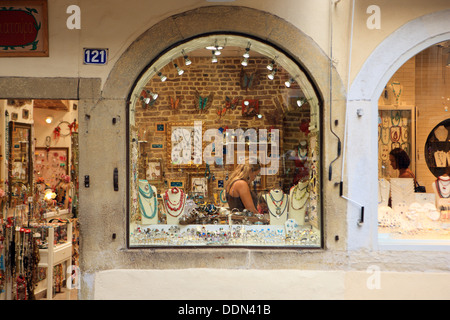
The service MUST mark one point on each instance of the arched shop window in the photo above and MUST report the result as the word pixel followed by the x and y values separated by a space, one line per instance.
pixel 197 113
pixel 414 204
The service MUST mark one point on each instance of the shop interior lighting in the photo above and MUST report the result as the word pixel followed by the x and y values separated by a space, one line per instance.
pixel 271 76
pixel 49 119
pixel 246 55
pixel 245 62
pixel 161 76
pixel 179 71
pixel 289 83
pixel 186 58
pixel 215 47
pixel 214 58
pixel 300 102
pixel 271 66
pixel 151 97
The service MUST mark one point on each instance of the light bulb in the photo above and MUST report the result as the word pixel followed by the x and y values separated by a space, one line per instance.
pixel 245 62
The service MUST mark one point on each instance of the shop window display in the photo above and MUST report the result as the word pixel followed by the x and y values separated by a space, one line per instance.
pixel 413 117
pixel 195 126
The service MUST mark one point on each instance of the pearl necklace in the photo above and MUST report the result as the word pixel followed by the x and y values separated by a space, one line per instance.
pixel 147 194
pixel 173 207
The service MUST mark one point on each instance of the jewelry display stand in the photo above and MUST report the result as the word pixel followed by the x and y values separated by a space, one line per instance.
pixel 277 203
pixel 402 194
pixel 384 188
pixel 148 203
pixel 441 188
pixel 174 203
pixel 54 255
pixel 299 198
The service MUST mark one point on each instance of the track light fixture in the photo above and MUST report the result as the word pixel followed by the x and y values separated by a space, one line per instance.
pixel 271 66
pixel 271 76
pixel 161 76
pixel 289 83
pixel 245 62
pixel 247 51
pixel 179 71
pixel 213 58
pixel 148 98
pixel 186 58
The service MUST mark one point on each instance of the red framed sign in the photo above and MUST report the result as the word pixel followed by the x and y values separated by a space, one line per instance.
pixel 23 28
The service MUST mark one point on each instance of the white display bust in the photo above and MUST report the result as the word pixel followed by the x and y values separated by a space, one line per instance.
pixel 277 203
pixel 298 202
pixel 174 203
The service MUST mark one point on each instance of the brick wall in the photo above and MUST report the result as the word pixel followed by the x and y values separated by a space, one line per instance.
pixel 222 79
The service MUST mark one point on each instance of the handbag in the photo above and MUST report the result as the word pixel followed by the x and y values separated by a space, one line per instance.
pixel 418 188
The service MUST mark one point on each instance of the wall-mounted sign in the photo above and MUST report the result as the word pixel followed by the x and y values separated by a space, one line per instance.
pixel 95 56
pixel 23 28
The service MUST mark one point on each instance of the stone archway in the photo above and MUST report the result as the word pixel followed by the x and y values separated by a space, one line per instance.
pixel 385 60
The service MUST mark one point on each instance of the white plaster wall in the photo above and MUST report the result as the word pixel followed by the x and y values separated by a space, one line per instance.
pixel 225 284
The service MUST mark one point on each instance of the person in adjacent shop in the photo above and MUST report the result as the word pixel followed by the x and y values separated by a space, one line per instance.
pixel 238 188
pixel 400 161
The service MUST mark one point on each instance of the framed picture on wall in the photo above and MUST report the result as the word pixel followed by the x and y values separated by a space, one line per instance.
pixel 154 170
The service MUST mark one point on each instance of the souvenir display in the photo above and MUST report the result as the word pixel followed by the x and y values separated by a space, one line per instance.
pixel 148 203
pixel 299 198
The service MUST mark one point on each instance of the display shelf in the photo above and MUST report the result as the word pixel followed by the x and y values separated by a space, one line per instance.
pixel 54 255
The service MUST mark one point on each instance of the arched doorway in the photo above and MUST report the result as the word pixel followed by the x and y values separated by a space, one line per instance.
pixel 365 92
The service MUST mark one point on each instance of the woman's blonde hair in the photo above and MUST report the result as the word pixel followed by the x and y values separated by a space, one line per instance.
pixel 242 172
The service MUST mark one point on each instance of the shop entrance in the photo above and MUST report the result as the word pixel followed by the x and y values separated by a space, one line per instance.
pixel 39 197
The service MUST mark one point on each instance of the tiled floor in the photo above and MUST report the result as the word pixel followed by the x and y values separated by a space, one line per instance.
pixel 65 294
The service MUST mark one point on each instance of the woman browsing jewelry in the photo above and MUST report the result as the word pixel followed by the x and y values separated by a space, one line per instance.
pixel 238 193
pixel 400 161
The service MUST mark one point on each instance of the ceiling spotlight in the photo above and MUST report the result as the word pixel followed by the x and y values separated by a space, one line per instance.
pixel 149 97
pixel 271 76
pixel 246 55
pixel 161 76
pixel 271 65
pixel 245 62
pixel 289 83
pixel 299 102
pixel 186 58
pixel 179 71
pixel 49 119
pixel 214 58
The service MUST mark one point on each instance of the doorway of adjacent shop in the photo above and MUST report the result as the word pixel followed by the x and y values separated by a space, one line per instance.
pixel 39 198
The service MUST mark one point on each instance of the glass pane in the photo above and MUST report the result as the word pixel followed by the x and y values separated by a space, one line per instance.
pixel 414 194
pixel 197 131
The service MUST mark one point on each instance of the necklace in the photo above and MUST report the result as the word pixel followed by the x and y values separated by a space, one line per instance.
pixel 173 207
pixel 396 95
pixel 147 193
pixel 442 187
pixel 278 210
pixel 299 196
pixel 302 153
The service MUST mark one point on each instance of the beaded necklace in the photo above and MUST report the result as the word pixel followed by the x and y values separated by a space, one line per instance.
pixel 278 210
pixel 148 196
pixel 172 207
pixel 295 196
pixel 442 188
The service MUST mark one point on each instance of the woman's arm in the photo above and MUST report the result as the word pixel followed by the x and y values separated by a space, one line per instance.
pixel 243 190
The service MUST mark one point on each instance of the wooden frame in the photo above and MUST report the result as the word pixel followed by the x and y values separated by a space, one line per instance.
pixel 190 127
pixel 154 171
pixel 160 128
pixel 198 184
pixel 177 183
pixel 29 18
